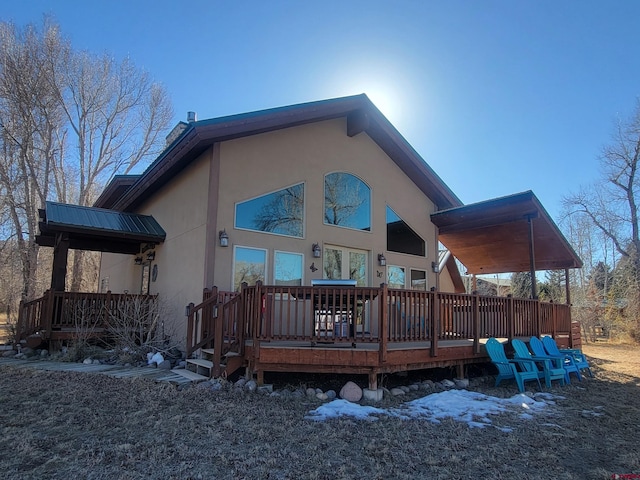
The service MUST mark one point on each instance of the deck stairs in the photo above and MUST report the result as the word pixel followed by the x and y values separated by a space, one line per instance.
pixel 204 366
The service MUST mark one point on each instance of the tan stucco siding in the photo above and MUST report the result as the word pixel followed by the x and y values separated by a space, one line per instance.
pixel 257 165
pixel 180 207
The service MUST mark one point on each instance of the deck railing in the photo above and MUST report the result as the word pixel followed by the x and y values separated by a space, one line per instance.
pixel 68 311
pixel 343 314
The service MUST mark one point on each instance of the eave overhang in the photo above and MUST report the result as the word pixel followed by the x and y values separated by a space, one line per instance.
pixel 493 236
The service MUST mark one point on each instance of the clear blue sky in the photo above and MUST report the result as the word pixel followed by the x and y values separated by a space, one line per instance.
pixel 498 96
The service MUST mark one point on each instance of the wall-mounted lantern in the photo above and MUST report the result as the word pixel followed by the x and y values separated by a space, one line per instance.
pixel 224 238
pixel 138 261
pixel 435 267
pixel 151 256
pixel 317 253
pixel 382 260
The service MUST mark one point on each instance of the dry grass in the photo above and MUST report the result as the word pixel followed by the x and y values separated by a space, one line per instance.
pixel 65 425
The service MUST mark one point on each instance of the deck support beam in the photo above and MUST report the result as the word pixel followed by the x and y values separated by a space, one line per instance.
pixel 373 381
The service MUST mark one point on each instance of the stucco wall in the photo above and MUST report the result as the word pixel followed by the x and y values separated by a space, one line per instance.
pixel 181 209
pixel 264 163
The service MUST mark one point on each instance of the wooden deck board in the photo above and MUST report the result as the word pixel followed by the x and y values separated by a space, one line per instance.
pixel 115 371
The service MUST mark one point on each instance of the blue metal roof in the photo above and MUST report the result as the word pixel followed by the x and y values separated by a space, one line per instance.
pixel 87 220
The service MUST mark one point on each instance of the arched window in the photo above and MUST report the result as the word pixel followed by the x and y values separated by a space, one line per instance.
pixel 347 201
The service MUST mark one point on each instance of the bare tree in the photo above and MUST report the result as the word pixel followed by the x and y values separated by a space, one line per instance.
pixel 611 205
pixel 29 122
pixel 116 115
pixel 69 122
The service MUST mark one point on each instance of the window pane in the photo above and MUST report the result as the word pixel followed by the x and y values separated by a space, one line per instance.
pixel 347 201
pixel 288 268
pixel 395 277
pixel 358 268
pixel 401 238
pixel 249 265
pixel 418 279
pixel 332 264
pixel 278 212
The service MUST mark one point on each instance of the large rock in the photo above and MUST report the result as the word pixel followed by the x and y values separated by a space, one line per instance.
pixel 397 392
pixel 351 392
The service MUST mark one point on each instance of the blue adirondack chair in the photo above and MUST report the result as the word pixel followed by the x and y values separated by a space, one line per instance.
pixel 508 369
pixel 578 357
pixel 551 370
pixel 569 365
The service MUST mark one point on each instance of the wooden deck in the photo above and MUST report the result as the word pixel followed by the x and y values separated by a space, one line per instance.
pixel 321 329
pixel 362 330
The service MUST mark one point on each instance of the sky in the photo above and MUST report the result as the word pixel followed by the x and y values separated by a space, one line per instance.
pixel 498 96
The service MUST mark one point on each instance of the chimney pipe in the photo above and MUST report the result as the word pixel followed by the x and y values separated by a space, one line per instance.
pixel 191 117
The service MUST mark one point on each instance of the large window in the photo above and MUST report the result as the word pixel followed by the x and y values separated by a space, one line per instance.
pixel 287 268
pixel 341 263
pixel 347 201
pixel 401 238
pixel 249 265
pixel 280 212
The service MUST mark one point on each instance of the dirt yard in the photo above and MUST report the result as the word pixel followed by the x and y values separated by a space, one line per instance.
pixel 64 425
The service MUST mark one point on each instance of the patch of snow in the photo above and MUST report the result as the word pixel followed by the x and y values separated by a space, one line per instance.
pixel 472 408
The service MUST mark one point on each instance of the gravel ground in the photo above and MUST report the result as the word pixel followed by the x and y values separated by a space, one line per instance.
pixel 74 425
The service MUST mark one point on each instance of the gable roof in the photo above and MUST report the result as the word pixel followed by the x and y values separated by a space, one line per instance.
pixel 362 116
pixel 493 236
pixel 90 228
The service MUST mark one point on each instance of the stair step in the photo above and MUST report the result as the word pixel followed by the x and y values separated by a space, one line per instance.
pixel 193 376
pixel 211 351
pixel 200 362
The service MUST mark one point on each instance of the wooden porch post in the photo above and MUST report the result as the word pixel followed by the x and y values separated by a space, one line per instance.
pixel 532 257
pixel 60 254
pixel 567 288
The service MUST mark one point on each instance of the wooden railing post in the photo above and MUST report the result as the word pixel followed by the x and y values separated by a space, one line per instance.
pixel 47 319
pixel 383 323
pixel 190 327
pixel 510 318
pixel 435 322
pixel 475 315
pixel 241 319
pixel 538 332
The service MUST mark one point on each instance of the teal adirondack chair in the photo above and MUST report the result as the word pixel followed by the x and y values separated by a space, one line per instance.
pixel 569 365
pixel 551 370
pixel 578 357
pixel 508 369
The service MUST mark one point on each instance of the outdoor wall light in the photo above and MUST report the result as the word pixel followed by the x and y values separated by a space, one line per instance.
pixel 138 260
pixel 316 250
pixel 151 256
pixel 435 267
pixel 382 260
pixel 224 238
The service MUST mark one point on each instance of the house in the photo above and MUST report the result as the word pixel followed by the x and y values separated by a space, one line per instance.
pixel 276 183
pixel 288 198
